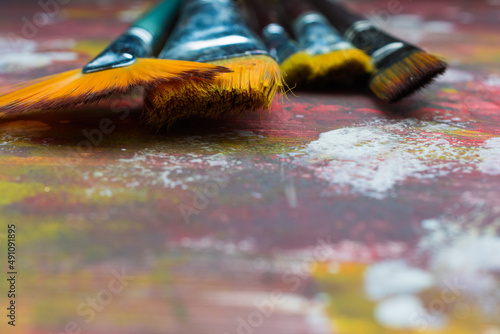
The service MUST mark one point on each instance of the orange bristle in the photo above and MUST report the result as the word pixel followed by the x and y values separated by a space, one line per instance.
pixel 252 85
pixel 73 87
pixel 405 76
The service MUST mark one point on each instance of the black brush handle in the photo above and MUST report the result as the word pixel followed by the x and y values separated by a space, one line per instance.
pixel 364 35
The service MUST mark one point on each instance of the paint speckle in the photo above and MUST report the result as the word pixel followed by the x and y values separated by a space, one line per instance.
pixel 400 311
pixel 17 45
pixel 256 195
pixel 454 75
pixel 491 157
pixel 493 80
pixel 372 160
pixel 390 278
pixel 13 62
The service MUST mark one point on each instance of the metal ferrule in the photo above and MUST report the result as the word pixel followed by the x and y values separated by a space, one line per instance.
pixel 210 30
pixel 124 51
pixel 316 35
pixel 380 46
pixel 279 42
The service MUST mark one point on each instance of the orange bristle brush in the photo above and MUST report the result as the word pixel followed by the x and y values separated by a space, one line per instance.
pixel 214 31
pixel 121 66
pixel 401 68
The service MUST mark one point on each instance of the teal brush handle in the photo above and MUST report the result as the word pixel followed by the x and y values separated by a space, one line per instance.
pixel 159 20
pixel 141 40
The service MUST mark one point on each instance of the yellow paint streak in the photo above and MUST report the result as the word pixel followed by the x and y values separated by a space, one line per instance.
pixel 14 192
pixel 351 312
pixel 39 161
pixel 81 13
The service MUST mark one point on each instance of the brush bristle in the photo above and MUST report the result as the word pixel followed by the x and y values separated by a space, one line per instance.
pixel 338 67
pixel 405 76
pixel 251 86
pixel 297 69
pixel 73 87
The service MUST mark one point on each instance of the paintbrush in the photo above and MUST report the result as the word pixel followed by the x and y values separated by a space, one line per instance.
pixel 334 61
pixel 121 66
pixel 214 31
pixel 295 63
pixel 401 68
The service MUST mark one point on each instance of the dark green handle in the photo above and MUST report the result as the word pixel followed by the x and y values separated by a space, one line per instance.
pixel 136 42
pixel 158 20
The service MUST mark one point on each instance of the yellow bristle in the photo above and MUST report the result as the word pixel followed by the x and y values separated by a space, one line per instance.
pixel 297 69
pixel 252 85
pixel 406 76
pixel 340 67
pixel 73 87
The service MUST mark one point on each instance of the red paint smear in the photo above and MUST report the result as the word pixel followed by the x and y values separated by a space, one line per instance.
pixel 327 108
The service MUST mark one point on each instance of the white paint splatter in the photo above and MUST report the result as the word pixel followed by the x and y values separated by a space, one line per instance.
pixel 391 278
pixel 412 27
pixel 13 62
pixel 210 243
pixel 157 166
pixel 453 75
pixel 372 160
pixel 439 27
pixel 401 311
pixel 491 157
pixel 463 243
pixel 14 45
pixel 288 302
pixel 493 80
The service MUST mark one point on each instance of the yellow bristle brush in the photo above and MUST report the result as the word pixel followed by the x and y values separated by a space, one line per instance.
pixel 332 60
pixel 401 68
pixel 121 66
pixel 213 31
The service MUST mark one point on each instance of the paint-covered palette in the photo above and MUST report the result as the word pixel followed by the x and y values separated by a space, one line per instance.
pixel 331 213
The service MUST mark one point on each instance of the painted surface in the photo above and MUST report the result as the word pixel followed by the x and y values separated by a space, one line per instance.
pixel 333 213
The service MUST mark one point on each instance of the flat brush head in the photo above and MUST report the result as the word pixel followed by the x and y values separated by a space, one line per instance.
pixel 333 60
pixel 401 76
pixel 340 67
pixel 297 69
pixel 73 87
pixel 251 86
